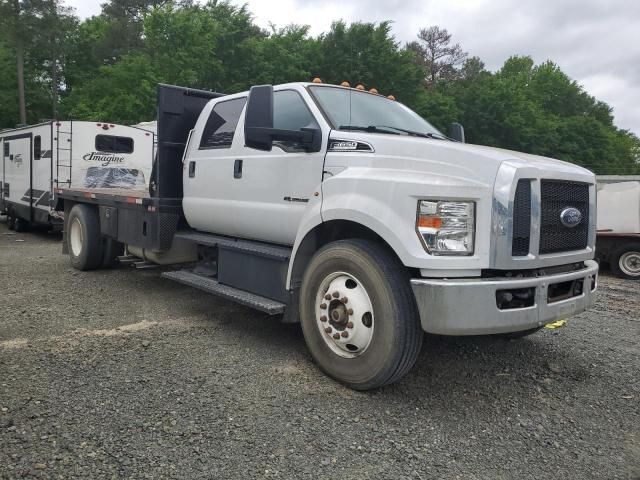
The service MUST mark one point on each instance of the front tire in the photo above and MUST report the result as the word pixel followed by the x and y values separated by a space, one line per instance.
pixel 625 261
pixel 358 314
pixel 83 238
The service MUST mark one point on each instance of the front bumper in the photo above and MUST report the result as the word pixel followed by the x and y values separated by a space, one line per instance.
pixel 468 306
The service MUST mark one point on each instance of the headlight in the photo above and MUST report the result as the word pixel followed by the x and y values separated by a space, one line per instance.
pixel 447 228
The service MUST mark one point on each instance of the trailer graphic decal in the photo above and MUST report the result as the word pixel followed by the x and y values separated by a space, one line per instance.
pixel 17 159
pixel 39 197
pixel 105 159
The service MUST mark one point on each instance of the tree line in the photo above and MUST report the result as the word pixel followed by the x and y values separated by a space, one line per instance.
pixel 105 68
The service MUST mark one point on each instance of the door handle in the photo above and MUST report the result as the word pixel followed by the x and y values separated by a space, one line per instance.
pixel 237 168
pixel 192 169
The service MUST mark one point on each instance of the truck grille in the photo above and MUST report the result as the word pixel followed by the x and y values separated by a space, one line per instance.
pixel 521 219
pixel 556 195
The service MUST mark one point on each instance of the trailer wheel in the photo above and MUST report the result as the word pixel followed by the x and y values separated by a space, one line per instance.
pixel 83 237
pixel 358 314
pixel 19 225
pixel 625 261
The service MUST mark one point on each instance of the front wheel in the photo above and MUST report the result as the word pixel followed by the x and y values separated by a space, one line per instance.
pixel 358 313
pixel 625 261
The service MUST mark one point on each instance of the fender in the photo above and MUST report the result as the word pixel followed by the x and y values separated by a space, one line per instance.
pixel 362 196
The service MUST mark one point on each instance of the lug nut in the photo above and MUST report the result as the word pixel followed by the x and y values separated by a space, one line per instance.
pixel 344 299
pixel 350 311
pixel 328 330
pixel 345 334
pixel 327 297
pixel 323 306
pixel 336 294
pixel 336 336
pixel 323 318
pixel 349 324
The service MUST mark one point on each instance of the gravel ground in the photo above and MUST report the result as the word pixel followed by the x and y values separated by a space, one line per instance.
pixel 122 374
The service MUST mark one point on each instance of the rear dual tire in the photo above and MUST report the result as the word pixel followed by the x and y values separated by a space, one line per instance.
pixel 83 238
pixel 371 304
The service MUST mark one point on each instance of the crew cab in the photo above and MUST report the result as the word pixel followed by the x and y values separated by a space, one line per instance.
pixel 346 211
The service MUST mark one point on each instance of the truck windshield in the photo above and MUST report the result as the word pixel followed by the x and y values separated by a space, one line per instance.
pixel 350 109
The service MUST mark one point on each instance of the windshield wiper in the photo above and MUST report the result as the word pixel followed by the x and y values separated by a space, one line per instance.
pixel 370 128
pixel 392 130
pixel 437 136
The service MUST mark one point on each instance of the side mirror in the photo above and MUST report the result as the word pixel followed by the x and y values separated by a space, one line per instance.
pixel 456 132
pixel 258 120
pixel 258 124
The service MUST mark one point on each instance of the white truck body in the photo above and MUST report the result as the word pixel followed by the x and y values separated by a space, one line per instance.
pixel 346 211
pixel 72 154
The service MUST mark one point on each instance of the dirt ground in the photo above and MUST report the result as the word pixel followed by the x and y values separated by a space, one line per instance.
pixel 123 374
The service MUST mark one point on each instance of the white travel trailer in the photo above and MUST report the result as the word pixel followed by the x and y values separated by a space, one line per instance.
pixel 37 159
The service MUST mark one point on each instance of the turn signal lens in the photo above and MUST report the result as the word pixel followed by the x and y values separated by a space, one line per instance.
pixel 429 222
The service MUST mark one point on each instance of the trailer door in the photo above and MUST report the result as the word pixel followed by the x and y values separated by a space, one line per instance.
pixel 18 174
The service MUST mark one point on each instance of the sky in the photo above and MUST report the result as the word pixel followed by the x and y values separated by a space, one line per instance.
pixel 595 42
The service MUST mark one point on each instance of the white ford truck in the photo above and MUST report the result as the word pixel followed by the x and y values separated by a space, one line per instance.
pixel 346 211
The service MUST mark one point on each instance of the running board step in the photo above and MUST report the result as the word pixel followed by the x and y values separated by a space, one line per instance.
pixel 210 285
pixel 268 250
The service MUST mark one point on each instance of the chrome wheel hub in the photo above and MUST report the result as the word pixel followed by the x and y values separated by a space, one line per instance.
pixel 630 263
pixel 344 314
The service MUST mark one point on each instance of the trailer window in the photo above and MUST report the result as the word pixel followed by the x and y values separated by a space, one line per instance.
pixel 37 147
pixel 6 148
pixel 114 144
pixel 221 125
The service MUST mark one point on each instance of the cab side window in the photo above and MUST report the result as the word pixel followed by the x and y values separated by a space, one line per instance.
pixel 290 112
pixel 221 125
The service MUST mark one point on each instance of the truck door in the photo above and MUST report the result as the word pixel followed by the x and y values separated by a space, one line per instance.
pixel 251 193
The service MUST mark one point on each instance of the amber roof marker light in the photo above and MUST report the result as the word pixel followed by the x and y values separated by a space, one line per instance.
pixel 316 80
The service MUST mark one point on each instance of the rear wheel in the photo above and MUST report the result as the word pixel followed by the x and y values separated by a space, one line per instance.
pixel 83 238
pixel 358 314
pixel 625 261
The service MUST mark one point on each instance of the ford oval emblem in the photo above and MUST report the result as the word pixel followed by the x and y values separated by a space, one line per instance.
pixel 570 217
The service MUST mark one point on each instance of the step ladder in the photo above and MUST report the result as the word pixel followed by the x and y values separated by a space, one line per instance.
pixel 64 154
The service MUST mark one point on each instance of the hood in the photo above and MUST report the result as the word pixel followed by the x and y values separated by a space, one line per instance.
pixel 462 161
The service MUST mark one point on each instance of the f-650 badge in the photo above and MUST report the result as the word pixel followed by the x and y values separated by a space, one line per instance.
pixel 349 146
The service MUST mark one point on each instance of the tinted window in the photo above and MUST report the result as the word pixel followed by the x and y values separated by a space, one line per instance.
pixel 6 148
pixel 221 125
pixel 114 144
pixel 290 112
pixel 37 147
